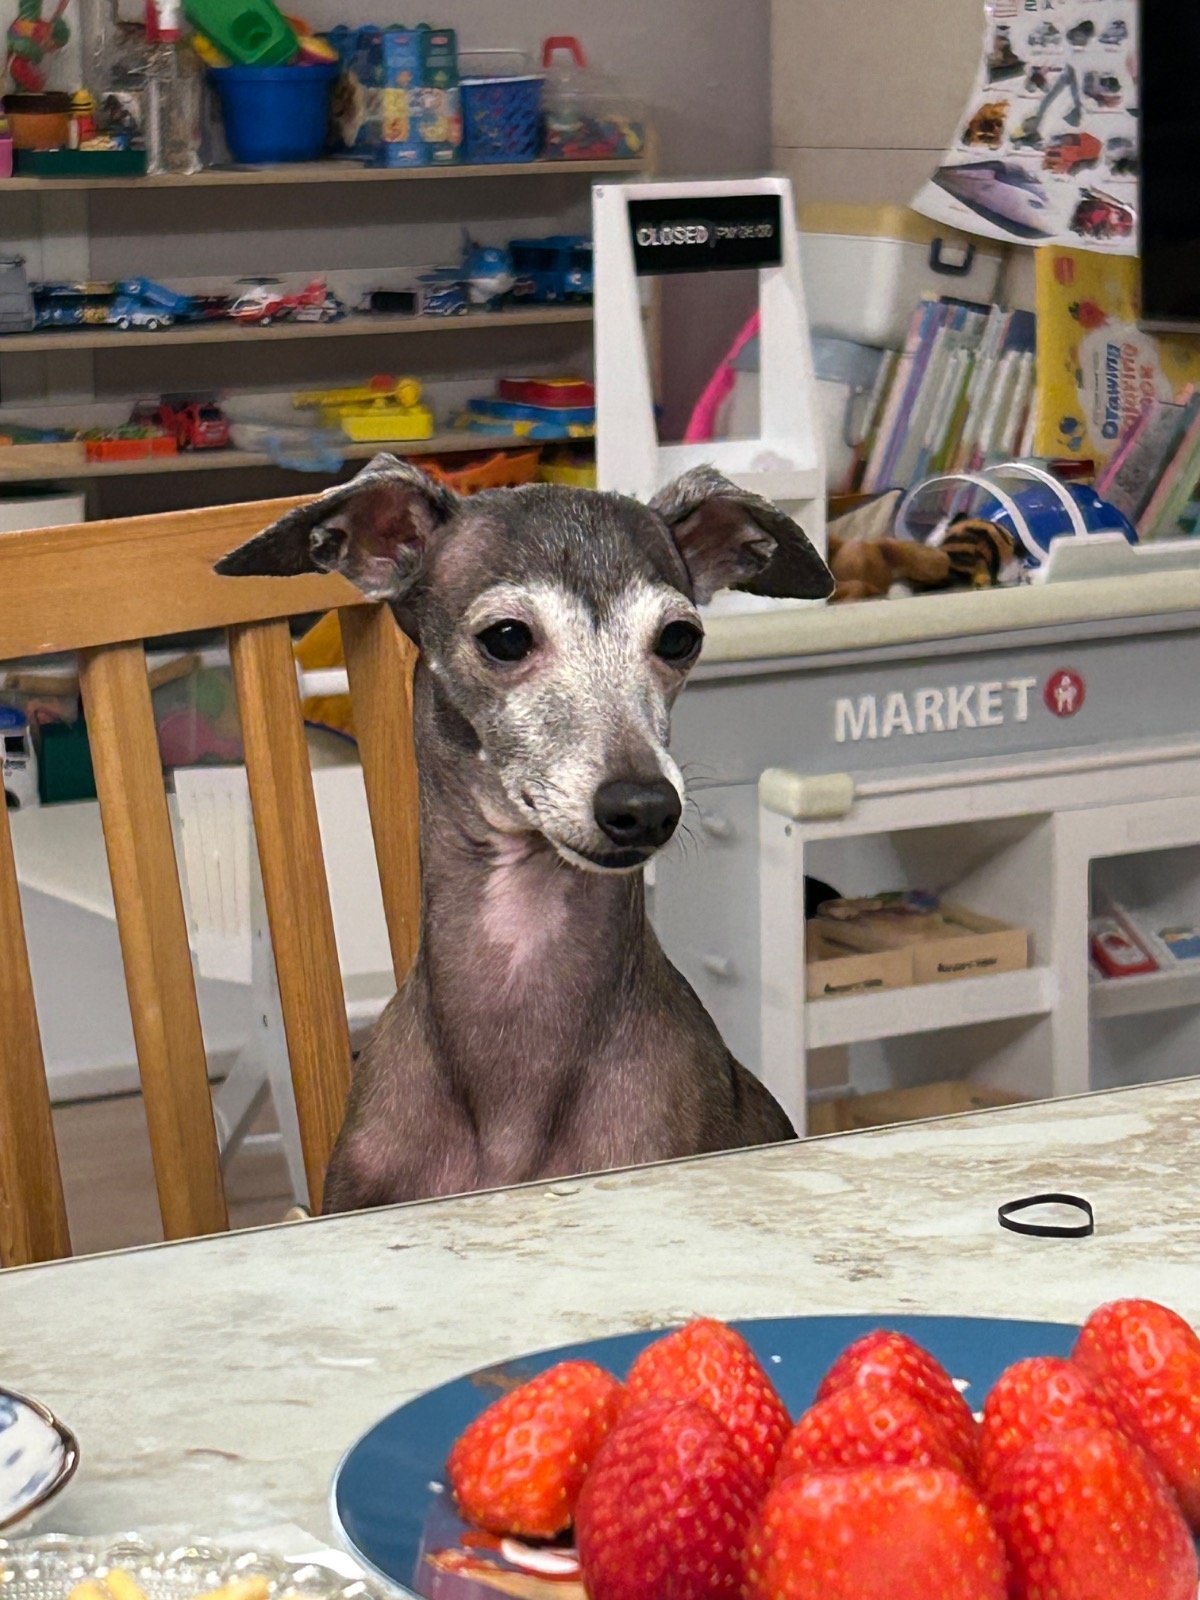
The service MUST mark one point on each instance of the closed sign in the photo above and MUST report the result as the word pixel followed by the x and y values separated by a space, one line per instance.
pixel 720 233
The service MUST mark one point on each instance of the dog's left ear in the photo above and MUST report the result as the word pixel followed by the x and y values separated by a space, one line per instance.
pixel 731 539
pixel 374 530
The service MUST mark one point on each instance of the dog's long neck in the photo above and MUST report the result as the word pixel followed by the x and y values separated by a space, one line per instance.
pixel 525 961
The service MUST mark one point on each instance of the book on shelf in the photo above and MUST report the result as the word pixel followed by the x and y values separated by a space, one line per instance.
pixel 1133 474
pixel 1176 486
pixel 1096 368
pixel 960 396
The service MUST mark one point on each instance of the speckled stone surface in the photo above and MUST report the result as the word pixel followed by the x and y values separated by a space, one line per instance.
pixel 215 1384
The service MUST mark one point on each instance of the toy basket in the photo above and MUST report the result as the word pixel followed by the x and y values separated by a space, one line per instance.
pixel 501 107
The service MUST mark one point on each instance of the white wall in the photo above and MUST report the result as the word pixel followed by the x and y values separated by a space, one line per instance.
pixel 866 93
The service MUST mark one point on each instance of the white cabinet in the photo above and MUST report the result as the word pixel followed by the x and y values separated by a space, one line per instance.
pixel 1042 841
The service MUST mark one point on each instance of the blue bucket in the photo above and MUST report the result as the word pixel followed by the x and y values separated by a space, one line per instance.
pixel 274 114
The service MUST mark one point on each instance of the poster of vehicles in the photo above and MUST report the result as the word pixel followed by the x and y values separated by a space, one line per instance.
pixel 1047 150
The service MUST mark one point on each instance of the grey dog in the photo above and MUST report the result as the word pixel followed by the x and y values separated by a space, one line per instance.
pixel 542 1031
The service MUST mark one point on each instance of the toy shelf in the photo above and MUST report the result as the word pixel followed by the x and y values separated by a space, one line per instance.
pixel 319 172
pixel 226 333
pixel 1145 992
pixel 929 1008
pixel 227 460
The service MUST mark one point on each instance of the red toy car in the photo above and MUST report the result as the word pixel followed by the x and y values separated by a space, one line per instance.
pixel 1070 152
pixel 193 424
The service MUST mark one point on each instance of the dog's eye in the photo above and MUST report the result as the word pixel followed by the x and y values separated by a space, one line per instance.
pixel 506 641
pixel 678 642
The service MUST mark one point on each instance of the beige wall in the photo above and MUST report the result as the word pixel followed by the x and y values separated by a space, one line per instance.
pixel 865 93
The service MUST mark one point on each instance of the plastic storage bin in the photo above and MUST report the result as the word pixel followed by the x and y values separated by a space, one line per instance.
pixel 586 115
pixel 865 268
pixel 275 114
pixel 501 107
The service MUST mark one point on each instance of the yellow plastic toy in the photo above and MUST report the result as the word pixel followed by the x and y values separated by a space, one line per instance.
pixel 385 408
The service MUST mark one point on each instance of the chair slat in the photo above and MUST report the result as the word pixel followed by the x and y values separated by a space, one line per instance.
pixel 154 941
pixel 297 895
pixel 94 583
pixel 380 661
pixel 33 1216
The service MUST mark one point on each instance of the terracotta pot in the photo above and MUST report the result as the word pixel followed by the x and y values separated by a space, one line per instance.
pixel 38 121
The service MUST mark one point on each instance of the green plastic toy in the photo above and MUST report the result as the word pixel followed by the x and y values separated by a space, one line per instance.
pixel 252 33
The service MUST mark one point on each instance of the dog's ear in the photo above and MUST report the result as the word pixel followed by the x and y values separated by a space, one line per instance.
pixel 731 539
pixel 374 530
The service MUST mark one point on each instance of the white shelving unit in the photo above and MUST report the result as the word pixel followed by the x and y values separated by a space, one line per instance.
pixel 1043 843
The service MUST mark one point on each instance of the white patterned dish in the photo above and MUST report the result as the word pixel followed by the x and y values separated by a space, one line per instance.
pixel 38 1457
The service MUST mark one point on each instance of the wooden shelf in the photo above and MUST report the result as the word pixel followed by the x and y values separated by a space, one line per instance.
pixel 929 1007
pixel 320 172
pixel 354 325
pixel 226 460
pixel 1146 991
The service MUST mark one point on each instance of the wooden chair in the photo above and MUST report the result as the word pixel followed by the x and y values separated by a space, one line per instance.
pixel 101 588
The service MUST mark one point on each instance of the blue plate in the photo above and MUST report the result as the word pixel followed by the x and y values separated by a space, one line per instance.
pixel 398 1519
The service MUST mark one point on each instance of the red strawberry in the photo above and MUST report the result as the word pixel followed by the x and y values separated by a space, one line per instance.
pixel 878 1533
pixel 519 1467
pixel 1148 1360
pixel 711 1362
pixel 666 1508
pixel 900 1363
pixel 1045 1394
pixel 1086 1516
pixel 866 1425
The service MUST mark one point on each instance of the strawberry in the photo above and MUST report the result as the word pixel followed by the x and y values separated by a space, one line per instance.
pixel 711 1362
pixel 1148 1360
pixel 1045 1394
pixel 1087 1516
pixel 898 1362
pixel 863 1425
pixel 876 1533
pixel 666 1508
pixel 519 1467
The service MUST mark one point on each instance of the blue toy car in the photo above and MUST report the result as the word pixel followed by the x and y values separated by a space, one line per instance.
pixel 439 298
pixel 140 303
pixel 552 269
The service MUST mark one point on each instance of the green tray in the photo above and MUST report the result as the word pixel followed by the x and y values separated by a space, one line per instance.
pixel 80 163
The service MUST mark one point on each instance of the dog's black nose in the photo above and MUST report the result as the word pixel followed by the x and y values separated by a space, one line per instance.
pixel 638 815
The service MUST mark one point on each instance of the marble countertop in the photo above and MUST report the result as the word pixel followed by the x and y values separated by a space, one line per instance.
pixel 215 1384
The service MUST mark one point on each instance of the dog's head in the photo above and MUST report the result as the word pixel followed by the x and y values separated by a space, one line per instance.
pixel 558 624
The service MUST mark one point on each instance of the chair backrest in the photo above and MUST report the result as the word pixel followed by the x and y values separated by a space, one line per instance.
pixel 101 589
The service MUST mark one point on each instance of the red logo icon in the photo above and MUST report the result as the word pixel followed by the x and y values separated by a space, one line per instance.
pixel 1064 693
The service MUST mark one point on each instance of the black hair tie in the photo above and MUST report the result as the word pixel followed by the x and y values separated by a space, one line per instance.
pixel 1049 1230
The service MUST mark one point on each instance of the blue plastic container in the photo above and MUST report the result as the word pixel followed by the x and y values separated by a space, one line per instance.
pixel 275 114
pixel 502 115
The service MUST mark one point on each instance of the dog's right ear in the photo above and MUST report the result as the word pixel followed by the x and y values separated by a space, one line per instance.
pixel 374 530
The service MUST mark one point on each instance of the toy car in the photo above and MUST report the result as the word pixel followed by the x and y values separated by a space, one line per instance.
pixel 1098 216
pixel 1116 33
pixel 141 303
pixel 551 269
pixel 1081 34
pixel 194 424
pixel 1071 152
pixel 1104 88
pixel 442 299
